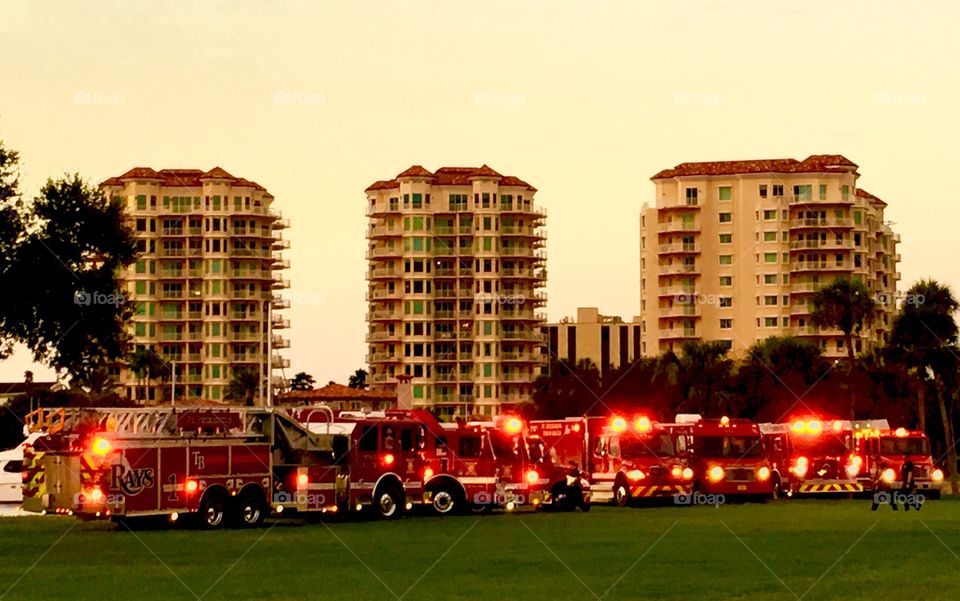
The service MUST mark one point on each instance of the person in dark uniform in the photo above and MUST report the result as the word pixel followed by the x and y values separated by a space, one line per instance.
pixel 881 491
pixel 908 485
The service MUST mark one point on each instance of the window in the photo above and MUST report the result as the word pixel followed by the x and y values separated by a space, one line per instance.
pixel 770 322
pixel 726 238
pixel 769 214
pixel 778 189
pixel 845 192
pixel 857 217
pixel 692 196
pixel 804 192
pixel 770 300
pixel 725 192
pixel 726 259
pixel 141 202
pixel 368 440
pixel 725 301
pixel 417 201
pixel 763 190
pixel 726 281
pixel 769 257
pixel 726 324
pixel 726 217
pixel 823 191
pixel 13 466
pixel 770 278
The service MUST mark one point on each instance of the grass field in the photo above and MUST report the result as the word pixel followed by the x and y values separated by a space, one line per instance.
pixel 812 549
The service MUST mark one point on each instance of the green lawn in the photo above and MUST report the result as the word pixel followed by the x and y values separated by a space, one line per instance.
pixel 814 549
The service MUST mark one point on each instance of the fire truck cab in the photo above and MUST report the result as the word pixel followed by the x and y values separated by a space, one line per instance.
pixel 518 461
pixel 813 456
pixel 884 452
pixel 638 459
pixel 382 468
pixel 564 445
pixel 728 459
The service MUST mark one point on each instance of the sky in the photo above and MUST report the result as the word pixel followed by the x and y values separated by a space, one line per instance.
pixel 584 100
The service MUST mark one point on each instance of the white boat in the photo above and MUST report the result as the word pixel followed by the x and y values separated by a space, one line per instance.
pixel 11 467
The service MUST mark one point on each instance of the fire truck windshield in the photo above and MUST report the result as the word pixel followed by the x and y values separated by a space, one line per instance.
pixel 914 445
pixel 505 445
pixel 728 446
pixel 660 445
pixel 821 446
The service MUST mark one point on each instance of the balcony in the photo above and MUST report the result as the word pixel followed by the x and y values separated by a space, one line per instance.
pixel 679 248
pixel 281 303
pixel 280 342
pixel 825 222
pixel 383 252
pixel 383 208
pixel 381 294
pixel 465 355
pixel 829 244
pixel 171 274
pixel 678 268
pixel 384 231
pixel 172 252
pixel 280 324
pixel 444 272
pixel 808 199
pixel 279 283
pixel 682 310
pixel 678 333
pixel 830 265
pixel 678 226
pixel 681 291
pixel 520 357
pixel 382 336
pixel 280 243
pixel 446 377
pixel 382 315
pixel 383 273
pixel 383 357
pixel 276 362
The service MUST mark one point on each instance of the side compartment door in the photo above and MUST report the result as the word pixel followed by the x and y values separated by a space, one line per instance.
pixel 173 478
pixel 133 482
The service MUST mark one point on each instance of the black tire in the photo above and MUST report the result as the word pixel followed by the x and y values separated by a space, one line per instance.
pixel 585 505
pixel 562 500
pixel 388 503
pixel 213 511
pixel 250 510
pixel 621 494
pixel 446 500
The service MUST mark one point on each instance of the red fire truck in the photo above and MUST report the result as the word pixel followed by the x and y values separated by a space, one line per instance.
pixel 727 457
pixel 519 462
pixel 224 466
pixel 884 452
pixel 559 444
pixel 627 459
pixel 813 456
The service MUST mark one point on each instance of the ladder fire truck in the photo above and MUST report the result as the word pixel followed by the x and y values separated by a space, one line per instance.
pixel 884 451
pixel 813 456
pixel 224 466
pixel 727 457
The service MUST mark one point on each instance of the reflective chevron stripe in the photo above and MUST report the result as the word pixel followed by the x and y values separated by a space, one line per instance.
pixel 831 487
pixel 656 490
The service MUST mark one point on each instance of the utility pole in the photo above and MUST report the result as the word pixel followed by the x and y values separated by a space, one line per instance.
pixel 173 383
pixel 270 352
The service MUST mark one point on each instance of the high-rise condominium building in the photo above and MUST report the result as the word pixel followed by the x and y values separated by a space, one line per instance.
pixel 735 250
pixel 606 340
pixel 456 267
pixel 206 278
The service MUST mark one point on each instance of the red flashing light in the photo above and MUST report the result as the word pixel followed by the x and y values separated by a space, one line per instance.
pixel 533 477
pixel 192 486
pixel 642 424
pixel 513 425
pixel 388 459
pixel 901 432
pixel 302 480
pixel 427 473
pixel 576 427
pixel 618 424
pixel 101 446
pixel 837 425
pixel 814 426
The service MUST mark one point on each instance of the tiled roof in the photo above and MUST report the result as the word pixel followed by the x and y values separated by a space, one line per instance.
pixel 180 178
pixel 817 163
pixel 333 391
pixel 451 176
pixel 864 194
pixel 15 388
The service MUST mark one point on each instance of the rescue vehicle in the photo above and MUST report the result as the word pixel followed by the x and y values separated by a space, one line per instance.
pixel 813 456
pixel 884 451
pixel 560 444
pixel 727 457
pixel 230 466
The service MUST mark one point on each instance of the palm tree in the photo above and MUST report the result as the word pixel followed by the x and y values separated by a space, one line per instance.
pixel 775 372
pixel 302 381
pixel 243 387
pixel 845 305
pixel 925 333
pixel 358 379
pixel 708 369
pixel 147 365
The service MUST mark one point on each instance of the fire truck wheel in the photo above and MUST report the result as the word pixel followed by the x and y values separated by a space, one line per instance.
pixel 446 501
pixel 212 511
pixel 388 502
pixel 250 510
pixel 621 494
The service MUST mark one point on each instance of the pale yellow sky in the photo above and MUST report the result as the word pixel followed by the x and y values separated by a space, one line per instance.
pixel 585 100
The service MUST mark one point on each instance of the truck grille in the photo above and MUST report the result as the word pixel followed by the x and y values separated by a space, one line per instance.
pixel 740 474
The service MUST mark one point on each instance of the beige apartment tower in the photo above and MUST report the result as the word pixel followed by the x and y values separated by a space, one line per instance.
pixel 207 276
pixel 735 250
pixel 606 340
pixel 456 267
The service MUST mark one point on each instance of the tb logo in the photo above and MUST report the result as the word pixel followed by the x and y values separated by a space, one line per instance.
pixel 198 461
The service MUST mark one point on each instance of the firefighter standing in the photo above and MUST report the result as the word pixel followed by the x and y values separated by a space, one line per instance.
pixel 908 485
